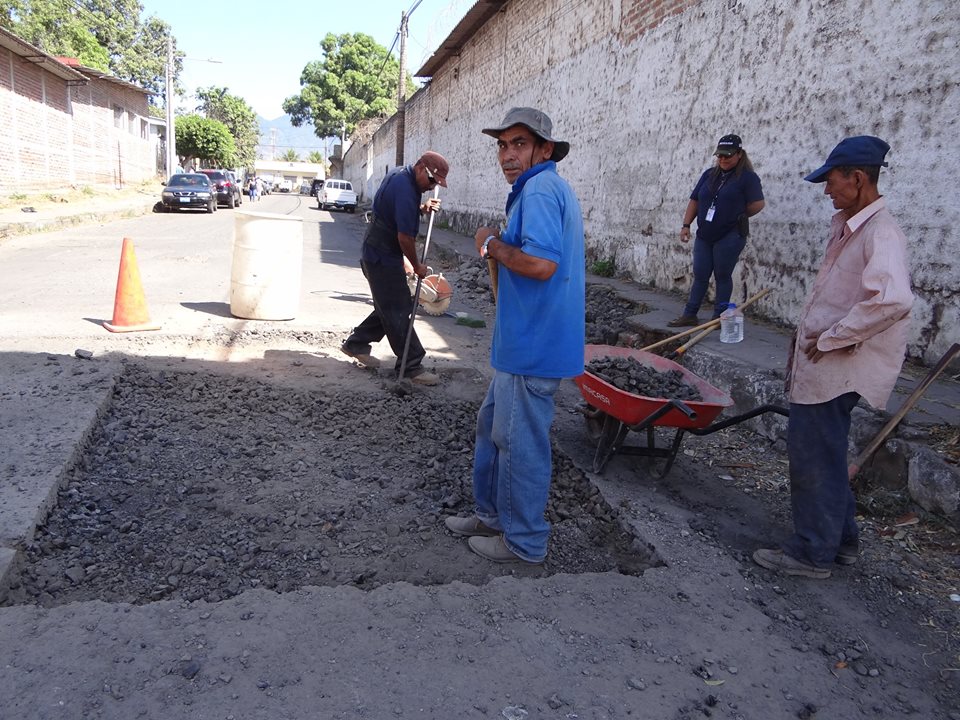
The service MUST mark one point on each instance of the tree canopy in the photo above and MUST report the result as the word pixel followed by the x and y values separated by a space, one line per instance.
pixel 238 117
pixel 204 139
pixel 104 34
pixel 290 156
pixel 355 80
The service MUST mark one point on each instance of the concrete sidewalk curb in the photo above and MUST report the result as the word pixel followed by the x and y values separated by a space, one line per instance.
pixel 59 221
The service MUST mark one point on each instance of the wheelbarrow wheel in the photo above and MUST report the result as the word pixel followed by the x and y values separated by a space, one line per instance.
pixel 610 438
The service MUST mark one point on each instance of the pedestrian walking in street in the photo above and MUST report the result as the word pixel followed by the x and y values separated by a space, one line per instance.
pixel 252 188
pixel 721 202
pixel 537 341
pixel 850 343
pixel 391 236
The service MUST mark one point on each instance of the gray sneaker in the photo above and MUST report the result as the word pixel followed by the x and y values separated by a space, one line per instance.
pixel 782 563
pixel 848 553
pixel 496 550
pixel 469 526
pixel 365 359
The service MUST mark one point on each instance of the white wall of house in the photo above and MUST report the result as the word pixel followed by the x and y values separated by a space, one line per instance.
pixel 55 133
pixel 643 90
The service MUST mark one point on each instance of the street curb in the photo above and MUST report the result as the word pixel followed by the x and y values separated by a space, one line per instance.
pixel 10 554
pixel 13 229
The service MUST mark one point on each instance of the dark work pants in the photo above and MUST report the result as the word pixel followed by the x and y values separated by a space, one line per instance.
pixel 820 495
pixel 392 305
pixel 718 258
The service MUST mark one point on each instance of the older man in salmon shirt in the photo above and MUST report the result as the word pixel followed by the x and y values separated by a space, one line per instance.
pixel 850 344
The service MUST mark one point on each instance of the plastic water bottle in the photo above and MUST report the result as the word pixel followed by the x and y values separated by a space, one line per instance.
pixel 731 324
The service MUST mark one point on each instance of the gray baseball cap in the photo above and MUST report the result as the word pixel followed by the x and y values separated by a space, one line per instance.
pixel 537 122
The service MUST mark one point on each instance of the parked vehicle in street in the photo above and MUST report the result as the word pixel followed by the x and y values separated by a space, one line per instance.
pixel 229 192
pixel 283 186
pixel 189 190
pixel 337 194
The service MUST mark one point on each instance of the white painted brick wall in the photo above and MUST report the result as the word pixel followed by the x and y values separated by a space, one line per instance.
pixel 642 90
pixel 52 135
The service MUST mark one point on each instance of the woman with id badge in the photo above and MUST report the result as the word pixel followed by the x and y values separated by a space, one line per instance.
pixel 724 197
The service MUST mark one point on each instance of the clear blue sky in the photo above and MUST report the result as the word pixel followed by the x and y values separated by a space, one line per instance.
pixel 264 44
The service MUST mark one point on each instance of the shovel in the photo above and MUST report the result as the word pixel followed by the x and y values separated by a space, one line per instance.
pixel 416 294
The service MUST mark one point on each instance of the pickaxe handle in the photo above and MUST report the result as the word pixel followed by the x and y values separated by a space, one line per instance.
pixel 892 423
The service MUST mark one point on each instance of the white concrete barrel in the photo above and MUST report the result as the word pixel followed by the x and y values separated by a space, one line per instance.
pixel 267 263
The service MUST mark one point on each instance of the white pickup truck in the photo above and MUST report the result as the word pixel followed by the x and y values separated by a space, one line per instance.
pixel 337 194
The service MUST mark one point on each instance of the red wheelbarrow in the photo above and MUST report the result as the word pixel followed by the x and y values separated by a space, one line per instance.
pixel 612 412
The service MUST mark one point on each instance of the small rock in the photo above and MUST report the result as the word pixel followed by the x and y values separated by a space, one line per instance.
pixel 83 354
pixel 636 684
pixel 189 669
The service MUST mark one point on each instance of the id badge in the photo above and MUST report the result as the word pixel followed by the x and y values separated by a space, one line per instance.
pixel 710 211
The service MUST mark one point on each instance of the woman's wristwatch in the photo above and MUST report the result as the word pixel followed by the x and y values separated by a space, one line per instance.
pixel 686 226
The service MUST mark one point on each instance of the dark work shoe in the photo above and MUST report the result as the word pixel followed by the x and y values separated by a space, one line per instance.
pixel 495 549
pixel 363 358
pixel 848 553
pixel 684 321
pixel 469 527
pixel 782 563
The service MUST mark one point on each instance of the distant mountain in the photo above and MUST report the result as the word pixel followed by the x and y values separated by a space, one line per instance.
pixel 279 135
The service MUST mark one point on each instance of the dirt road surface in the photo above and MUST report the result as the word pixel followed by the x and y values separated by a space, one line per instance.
pixel 245 524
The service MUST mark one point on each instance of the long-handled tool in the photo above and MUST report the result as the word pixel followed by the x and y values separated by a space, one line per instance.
pixel 416 294
pixel 872 446
pixel 494 270
pixel 711 324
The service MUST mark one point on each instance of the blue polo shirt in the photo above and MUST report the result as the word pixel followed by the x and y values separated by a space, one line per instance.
pixel 730 195
pixel 396 207
pixel 540 323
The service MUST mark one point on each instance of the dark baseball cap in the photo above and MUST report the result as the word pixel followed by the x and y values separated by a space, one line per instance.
pixel 437 164
pixel 857 151
pixel 537 122
pixel 728 145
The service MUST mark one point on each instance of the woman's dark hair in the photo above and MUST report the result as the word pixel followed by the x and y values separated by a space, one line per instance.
pixel 742 164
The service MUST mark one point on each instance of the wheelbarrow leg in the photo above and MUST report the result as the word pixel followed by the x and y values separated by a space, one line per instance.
pixel 674 449
pixel 611 437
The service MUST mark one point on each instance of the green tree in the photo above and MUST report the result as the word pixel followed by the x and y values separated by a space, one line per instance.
pixel 204 139
pixel 237 115
pixel 290 156
pixel 104 34
pixel 357 79
pixel 315 157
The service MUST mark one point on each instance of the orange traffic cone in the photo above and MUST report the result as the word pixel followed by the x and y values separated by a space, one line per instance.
pixel 130 305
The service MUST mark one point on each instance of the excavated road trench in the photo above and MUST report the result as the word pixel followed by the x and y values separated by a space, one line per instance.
pixel 200 486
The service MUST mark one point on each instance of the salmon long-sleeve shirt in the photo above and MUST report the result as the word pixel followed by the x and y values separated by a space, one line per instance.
pixel 859 308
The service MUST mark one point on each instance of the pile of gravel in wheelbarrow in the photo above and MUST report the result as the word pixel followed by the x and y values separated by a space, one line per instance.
pixel 632 376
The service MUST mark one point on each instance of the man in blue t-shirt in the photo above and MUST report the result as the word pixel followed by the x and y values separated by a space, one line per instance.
pixel 390 237
pixel 537 341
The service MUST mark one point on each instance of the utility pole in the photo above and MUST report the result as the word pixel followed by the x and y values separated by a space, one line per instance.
pixel 168 88
pixel 402 87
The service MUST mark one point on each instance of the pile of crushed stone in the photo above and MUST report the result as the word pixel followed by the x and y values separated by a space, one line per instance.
pixel 200 486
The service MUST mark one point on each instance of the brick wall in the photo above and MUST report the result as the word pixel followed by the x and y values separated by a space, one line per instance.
pixel 643 90
pixel 53 134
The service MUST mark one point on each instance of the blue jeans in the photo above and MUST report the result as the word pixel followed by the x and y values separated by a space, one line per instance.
pixel 717 258
pixel 820 495
pixel 512 463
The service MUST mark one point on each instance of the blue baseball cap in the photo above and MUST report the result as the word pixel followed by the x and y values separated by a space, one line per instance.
pixel 859 151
